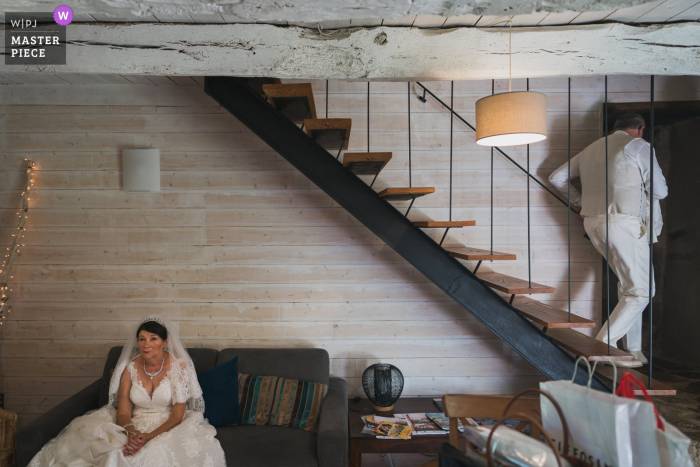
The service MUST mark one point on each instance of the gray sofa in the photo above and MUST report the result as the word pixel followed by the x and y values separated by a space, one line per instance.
pixel 245 446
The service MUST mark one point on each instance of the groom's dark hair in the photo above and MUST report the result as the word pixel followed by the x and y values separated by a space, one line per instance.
pixel 154 328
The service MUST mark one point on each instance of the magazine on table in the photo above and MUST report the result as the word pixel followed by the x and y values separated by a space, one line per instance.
pixel 396 427
pixel 422 425
pixel 370 425
pixel 398 419
pixel 443 422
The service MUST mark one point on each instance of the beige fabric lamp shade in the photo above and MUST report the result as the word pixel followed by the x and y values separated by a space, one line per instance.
pixel 511 119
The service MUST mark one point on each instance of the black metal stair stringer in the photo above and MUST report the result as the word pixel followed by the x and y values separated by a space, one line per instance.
pixel 385 221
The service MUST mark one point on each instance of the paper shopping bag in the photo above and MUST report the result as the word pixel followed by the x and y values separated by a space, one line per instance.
pixel 605 430
pixel 671 443
pixel 673 447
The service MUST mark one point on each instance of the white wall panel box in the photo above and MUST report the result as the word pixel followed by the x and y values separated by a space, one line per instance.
pixel 141 169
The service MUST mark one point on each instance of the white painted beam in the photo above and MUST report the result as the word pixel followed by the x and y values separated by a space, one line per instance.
pixel 266 11
pixel 381 53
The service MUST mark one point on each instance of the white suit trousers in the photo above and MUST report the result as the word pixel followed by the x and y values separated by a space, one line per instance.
pixel 629 259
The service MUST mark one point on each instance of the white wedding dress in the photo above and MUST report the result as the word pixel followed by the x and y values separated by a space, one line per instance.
pixel 95 440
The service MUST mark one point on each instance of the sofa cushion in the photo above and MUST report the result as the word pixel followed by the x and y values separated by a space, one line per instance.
pixel 263 446
pixel 271 400
pixel 203 360
pixel 220 391
pixel 301 364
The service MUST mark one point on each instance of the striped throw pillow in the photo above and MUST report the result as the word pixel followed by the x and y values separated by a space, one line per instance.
pixel 271 400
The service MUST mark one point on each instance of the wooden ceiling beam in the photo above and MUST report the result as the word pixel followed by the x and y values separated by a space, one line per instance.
pixel 380 53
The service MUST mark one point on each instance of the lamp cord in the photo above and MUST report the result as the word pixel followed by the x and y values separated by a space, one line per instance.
pixel 510 48
pixel 510 52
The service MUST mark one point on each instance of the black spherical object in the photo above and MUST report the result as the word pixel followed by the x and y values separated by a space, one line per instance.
pixel 383 384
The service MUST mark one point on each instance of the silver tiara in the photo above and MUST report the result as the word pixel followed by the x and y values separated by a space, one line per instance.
pixel 157 320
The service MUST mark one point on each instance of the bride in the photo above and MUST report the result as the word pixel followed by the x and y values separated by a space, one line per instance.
pixel 154 415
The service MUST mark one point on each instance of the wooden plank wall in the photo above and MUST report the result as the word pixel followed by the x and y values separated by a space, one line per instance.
pixel 243 251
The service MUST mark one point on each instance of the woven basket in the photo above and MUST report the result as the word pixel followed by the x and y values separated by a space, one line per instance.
pixel 8 430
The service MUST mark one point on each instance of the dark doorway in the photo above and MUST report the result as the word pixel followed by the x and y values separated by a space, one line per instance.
pixel 676 305
pixel 680 318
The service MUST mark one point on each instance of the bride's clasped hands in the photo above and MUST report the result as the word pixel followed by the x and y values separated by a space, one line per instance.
pixel 136 441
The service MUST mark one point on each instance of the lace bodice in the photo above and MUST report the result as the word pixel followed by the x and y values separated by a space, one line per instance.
pixel 174 388
pixel 159 401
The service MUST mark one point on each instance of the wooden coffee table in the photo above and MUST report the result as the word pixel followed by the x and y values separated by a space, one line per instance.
pixel 366 444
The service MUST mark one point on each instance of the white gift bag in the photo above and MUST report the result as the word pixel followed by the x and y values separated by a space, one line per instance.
pixel 671 443
pixel 611 431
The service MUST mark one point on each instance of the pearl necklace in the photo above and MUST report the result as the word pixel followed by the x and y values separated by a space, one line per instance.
pixel 157 372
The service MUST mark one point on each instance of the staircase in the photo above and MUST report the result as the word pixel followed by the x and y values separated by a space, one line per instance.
pixel 541 334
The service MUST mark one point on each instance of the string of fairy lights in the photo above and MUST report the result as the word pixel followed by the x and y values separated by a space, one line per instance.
pixel 13 251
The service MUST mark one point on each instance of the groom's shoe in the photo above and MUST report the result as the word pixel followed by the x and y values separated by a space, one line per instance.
pixel 638 355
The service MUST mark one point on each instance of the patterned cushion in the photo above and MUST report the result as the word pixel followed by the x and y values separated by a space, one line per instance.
pixel 271 400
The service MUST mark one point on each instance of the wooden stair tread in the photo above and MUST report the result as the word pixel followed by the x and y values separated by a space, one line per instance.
pixel 399 194
pixel 512 285
pixel 329 132
pixel 443 224
pixel 605 372
pixel 366 163
pixel 257 84
pixel 587 347
pixel 548 316
pixel 295 101
pixel 475 254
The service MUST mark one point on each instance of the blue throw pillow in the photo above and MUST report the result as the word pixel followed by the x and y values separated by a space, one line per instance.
pixel 220 392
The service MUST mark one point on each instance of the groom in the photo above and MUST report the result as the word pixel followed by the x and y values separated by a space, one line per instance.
pixel 627 192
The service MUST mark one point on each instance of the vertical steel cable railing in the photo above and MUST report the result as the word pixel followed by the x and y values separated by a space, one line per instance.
pixel 529 255
pixel 493 90
pixel 452 106
pixel 409 134
pixel 650 231
pixel 607 217
pixel 568 197
pixel 458 116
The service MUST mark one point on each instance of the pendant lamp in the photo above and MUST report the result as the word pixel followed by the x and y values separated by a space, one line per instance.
pixel 512 118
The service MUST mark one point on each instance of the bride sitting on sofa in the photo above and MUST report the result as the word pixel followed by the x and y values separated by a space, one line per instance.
pixel 154 415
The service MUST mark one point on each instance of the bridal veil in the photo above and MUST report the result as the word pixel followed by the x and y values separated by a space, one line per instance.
pixel 183 375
